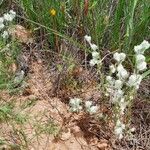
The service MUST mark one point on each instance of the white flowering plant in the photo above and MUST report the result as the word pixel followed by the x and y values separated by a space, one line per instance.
pixel 95 54
pixel 121 86
pixel 76 105
pixel 90 108
pixel 96 58
pixel 5 22
pixel 8 48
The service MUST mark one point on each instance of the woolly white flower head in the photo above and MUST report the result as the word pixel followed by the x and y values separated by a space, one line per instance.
pixel 112 68
pixel 88 104
pixel 140 58
pixel 1 20
pixel 5 35
pixel 89 108
pixel 12 13
pixel 142 66
pixel 120 68
pixel 119 129
pixel 119 57
pixel 135 80
pixel 87 38
pixel 140 49
pixel 140 62
pixel 123 104
pixel 118 84
pixel 2 26
pixel 75 104
pixel 94 62
pixel 117 95
pixel 95 55
pixel 75 101
pixel 122 72
pixel 93 109
pixel 94 47
pixel 9 16
pixel 110 80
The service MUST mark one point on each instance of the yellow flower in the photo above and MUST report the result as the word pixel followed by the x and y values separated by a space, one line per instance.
pixel 52 12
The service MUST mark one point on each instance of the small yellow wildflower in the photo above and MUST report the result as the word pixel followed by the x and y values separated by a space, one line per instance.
pixel 52 12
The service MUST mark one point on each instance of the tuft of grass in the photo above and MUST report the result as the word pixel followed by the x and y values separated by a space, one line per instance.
pixel 40 11
pixel 8 56
pixel 112 24
pixel 6 112
pixel 49 127
pixel 9 114
pixel 31 102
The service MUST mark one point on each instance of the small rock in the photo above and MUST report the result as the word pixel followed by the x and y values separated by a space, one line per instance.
pixel 76 129
pixel 31 97
pixel 102 146
pixel 93 141
pixel 65 135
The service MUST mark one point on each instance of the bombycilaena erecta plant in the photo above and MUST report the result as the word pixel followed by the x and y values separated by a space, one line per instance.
pixel 95 54
pixel 121 87
pixel 96 59
pixel 76 105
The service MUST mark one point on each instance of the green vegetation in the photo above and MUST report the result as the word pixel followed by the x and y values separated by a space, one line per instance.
pixel 112 24
pixel 8 55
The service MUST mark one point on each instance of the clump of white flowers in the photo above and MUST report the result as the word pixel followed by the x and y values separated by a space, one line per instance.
pixel 140 49
pixel 95 55
pixel 141 65
pixel 119 57
pixel 140 58
pixel 119 129
pixel 5 35
pixel 1 23
pixel 76 106
pixel 135 80
pixel 90 108
pixel 121 85
pixel 9 16
pixel 5 21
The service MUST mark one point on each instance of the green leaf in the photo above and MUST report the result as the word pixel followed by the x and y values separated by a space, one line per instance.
pixel 145 74
pixel 93 5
